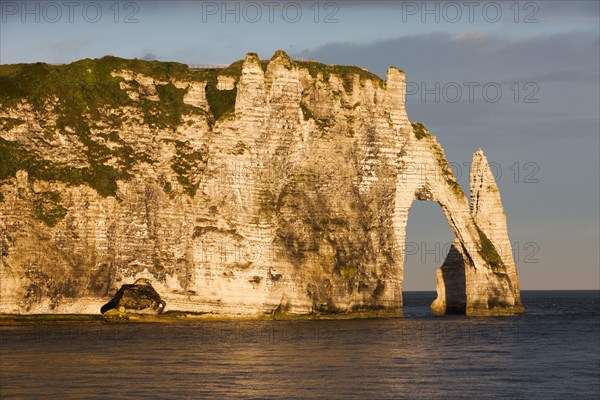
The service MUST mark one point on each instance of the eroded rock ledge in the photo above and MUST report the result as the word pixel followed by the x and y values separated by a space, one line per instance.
pixel 264 188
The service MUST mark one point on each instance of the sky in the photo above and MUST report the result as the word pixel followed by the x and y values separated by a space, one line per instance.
pixel 519 79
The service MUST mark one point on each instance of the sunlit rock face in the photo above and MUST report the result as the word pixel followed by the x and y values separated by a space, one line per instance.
pixel 464 287
pixel 268 186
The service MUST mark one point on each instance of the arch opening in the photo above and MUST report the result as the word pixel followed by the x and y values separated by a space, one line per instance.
pixel 428 242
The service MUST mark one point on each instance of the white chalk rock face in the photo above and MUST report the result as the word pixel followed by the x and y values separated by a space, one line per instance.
pixel 264 188
pixel 463 286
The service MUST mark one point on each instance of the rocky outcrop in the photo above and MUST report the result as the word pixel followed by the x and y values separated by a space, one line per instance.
pixel 265 186
pixel 462 285
pixel 132 300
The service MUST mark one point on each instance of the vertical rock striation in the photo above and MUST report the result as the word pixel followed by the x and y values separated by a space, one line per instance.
pixel 266 187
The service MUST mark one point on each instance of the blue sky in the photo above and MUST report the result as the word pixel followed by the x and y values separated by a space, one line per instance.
pixel 542 132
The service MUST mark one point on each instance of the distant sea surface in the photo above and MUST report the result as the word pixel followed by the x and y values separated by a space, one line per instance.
pixel 550 352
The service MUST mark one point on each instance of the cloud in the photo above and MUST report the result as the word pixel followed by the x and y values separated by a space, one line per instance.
pixel 472 36
pixel 566 75
pixel 574 10
pixel 473 56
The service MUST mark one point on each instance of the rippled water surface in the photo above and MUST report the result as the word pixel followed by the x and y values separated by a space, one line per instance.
pixel 550 352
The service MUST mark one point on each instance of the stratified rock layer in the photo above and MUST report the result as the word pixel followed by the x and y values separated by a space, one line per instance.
pixel 266 186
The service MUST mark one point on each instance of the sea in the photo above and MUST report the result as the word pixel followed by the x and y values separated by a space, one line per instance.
pixel 552 351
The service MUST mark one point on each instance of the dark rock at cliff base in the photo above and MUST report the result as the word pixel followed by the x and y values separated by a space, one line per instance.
pixel 139 298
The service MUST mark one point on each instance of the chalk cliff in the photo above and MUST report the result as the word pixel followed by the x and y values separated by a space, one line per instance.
pixel 264 188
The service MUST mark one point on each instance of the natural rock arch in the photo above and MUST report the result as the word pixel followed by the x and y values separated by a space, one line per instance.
pixel 479 275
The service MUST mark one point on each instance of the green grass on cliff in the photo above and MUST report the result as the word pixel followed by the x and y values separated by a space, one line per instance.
pixel 85 87
pixel 488 251
pixel 14 157
pixel 420 130
pixel 48 208
pixel 81 93
pixel 220 101
pixel 446 169
pixel 345 72
pixel 188 164
pixel 77 93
